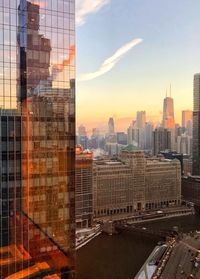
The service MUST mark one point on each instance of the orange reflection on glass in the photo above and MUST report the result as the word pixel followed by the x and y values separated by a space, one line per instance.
pixel 66 62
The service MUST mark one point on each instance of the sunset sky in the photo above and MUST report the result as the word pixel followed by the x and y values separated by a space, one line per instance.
pixel 128 53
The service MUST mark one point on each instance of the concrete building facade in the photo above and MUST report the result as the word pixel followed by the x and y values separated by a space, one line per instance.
pixel 162 183
pixel 134 184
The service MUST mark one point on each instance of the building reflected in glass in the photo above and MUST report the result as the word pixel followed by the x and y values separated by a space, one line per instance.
pixel 37 124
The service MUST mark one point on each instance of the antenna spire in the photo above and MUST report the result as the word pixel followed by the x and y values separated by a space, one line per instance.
pixel 170 90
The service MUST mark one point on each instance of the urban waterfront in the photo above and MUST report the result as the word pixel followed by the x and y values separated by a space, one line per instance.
pixel 121 256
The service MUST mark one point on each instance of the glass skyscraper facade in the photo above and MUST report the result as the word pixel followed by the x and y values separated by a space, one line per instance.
pixel 168 113
pixel 37 100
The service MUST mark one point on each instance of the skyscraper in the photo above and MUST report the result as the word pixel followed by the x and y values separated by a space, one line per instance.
pixel 111 126
pixel 141 119
pixel 82 131
pixel 196 126
pixel 82 138
pixel 184 143
pixel 148 132
pixel 10 172
pixel 122 138
pixel 186 117
pixel 161 140
pixel 133 135
pixel 38 237
pixel 168 113
pixel 140 125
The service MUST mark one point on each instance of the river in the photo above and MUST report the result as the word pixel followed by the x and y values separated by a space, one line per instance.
pixel 121 256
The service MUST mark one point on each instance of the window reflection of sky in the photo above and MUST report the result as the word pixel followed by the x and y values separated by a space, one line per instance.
pixel 56 24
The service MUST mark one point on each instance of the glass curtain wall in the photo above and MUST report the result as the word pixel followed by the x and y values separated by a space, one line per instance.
pixel 37 101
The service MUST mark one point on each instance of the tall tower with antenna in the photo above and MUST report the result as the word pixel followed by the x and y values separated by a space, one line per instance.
pixel 168 111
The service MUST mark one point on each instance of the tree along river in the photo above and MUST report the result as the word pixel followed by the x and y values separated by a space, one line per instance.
pixel 121 256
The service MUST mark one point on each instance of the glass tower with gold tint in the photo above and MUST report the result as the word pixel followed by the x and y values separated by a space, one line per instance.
pixel 37 99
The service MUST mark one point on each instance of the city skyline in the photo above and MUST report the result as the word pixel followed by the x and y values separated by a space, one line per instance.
pixel 121 124
pixel 97 165
pixel 147 69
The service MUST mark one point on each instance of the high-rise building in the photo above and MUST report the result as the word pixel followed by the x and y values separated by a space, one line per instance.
pixel 83 141
pixel 189 128
pixel 94 141
pixel 161 140
pixel 168 113
pixel 82 131
pixel 191 190
pixel 83 189
pixel 95 132
pixel 148 132
pixel 111 136
pixel 187 166
pixel 111 126
pixel 82 138
pixel 122 138
pixel 133 135
pixel 186 117
pixel 140 119
pixel 184 144
pixel 196 126
pixel 10 172
pixel 140 125
pixel 38 236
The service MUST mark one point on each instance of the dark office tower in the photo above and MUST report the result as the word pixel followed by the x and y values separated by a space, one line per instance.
pixel 161 140
pixel 168 113
pixel 196 126
pixel 39 39
pixel 10 171
pixel 111 126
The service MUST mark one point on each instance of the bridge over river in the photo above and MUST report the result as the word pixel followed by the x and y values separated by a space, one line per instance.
pixel 163 234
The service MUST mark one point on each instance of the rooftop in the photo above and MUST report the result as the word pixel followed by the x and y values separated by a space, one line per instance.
pixel 131 148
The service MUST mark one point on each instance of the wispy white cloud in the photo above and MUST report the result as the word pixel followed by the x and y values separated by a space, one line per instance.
pixel 110 62
pixel 86 7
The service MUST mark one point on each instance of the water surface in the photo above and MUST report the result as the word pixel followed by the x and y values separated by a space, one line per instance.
pixel 121 256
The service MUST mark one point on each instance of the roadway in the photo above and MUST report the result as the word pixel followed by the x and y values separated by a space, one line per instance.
pixel 182 263
pixel 137 217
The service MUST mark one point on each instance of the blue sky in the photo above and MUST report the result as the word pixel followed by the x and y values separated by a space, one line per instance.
pixel 168 54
